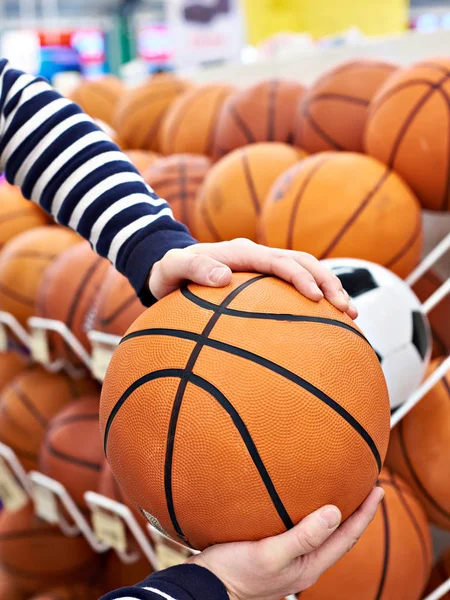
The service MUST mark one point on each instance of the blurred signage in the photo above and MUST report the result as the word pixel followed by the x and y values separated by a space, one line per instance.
pixel 205 31
pixel 155 44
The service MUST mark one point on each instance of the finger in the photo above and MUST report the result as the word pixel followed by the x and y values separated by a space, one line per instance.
pixel 302 539
pixel 291 271
pixel 179 266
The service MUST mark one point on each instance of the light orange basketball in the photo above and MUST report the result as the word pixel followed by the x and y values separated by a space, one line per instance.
pixel 419 450
pixel 190 125
pixel 343 204
pixel 333 112
pixel 280 434
pixel 23 262
pixel 178 179
pixel 230 202
pixel 142 159
pixel 439 317
pixel 139 115
pixel 17 214
pixel 392 560
pixel 407 129
pixel 440 574
pixel 99 97
pixel 264 112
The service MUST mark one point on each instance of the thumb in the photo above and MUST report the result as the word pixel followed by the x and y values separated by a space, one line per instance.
pixel 179 266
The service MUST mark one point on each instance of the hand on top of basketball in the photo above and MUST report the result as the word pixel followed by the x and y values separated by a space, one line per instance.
pixel 212 265
pixel 291 562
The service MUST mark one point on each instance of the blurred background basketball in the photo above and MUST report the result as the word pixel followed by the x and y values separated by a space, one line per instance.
pixel 71 592
pixel 440 574
pixel 99 97
pixel 439 316
pixel 142 159
pixel 11 364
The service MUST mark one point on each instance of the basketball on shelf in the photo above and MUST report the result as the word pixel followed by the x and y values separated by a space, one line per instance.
pixel 142 159
pixel 439 315
pixel 336 204
pixel 231 199
pixel 99 97
pixel 392 319
pixel 281 433
pixel 440 574
pixel 333 112
pixel 11 364
pixel 405 129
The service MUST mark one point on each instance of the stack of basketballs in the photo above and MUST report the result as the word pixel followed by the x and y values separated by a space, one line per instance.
pixel 341 170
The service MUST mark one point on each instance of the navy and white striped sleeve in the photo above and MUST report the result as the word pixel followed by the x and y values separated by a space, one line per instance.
pixel 65 163
pixel 184 582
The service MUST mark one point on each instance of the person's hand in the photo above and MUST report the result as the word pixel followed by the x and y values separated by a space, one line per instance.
pixel 212 265
pixel 291 562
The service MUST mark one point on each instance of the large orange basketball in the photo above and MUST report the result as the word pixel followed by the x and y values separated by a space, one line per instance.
pixel 68 292
pixel 28 403
pixel 23 262
pixel 439 317
pixel 117 305
pixel 37 555
pixel 11 364
pixel 439 574
pixel 345 204
pixel 231 199
pixel 392 560
pixel 333 113
pixel 264 112
pixel 178 179
pixel 419 450
pixel 99 97
pixel 142 159
pixel 406 129
pixel 17 214
pixel 191 122
pixel 140 113
pixel 280 434
pixel 71 451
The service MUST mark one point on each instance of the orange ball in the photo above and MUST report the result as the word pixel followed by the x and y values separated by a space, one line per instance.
pixel 339 204
pixel 231 199
pixel 440 574
pixel 178 179
pixel 264 112
pixel 418 450
pixel 142 159
pixel 439 316
pixel 140 113
pixel 72 592
pixel 119 574
pixel 110 132
pixel 99 97
pixel 406 129
pixel 190 124
pixel 333 112
pixel 11 364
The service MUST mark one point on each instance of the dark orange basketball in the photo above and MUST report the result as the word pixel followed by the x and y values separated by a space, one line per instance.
pixel 178 179
pixel 23 262
pixel 440 574
pixel 264 112
pixel 37 555
pixel 406 129
pixel 338 204
pixel 11 364
pixel 142 159
pixel 119 574
pixel 72 592
pixel 439 317
pixel 418 450
pixel 99 97
pixel 190 125
pixel 333 112
pixel 17 214
pixel 280 434
pixel 117 305
pixel 28 403
pixel 392 560
pixel 8 589
pixel 230 201
pixel 68 292
pixel 71 451
pixel 140 113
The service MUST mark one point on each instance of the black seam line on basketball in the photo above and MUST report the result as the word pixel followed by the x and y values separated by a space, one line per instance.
pixel 50 530
pixel 32 409
pixel 275 368
pixel 145 101
pixel 386 549
pixel 343 97
pixel 170 181
pixel 373 65
pixel 153 132
pixel 73 419
pixel 375 106
pixel 369 196
pixel 199 382
pixel 431 65
pixel 175 125
pixel 445 200
pixel 176 407
pixel 250 182
pixel 23 453
pixel 298 198
pixel 98 263
pixel 242 125
pixel 232 312
pixel 320 132
pixel 73 459
pixel 446 385
pixel 409 243
pixel 208 221
pixel 415 477
pixel 274 84
pixel 423 546
pixel 105 321
pixel 211 137
pixel 16 296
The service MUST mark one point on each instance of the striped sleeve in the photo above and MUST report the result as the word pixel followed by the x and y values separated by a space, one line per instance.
pixel 184 582
pixel 64 162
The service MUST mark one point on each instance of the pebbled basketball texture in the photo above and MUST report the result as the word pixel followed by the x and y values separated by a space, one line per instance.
pixel 232 413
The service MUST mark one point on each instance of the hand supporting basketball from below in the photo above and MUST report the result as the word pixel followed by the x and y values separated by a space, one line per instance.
pixel 291 562
pixel 212 265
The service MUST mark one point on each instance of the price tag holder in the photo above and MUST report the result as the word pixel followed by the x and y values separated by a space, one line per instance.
pixel 39 346
pixel 101 357
pixel 109 529
pixel 46 504
pixel 12 493
pixel 170 555
pixel 3 338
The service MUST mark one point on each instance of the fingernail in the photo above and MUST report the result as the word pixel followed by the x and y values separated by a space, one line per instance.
pixel 217 273
pixel 330 516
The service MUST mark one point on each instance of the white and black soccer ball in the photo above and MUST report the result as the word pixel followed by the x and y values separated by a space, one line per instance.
pixel 391 318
